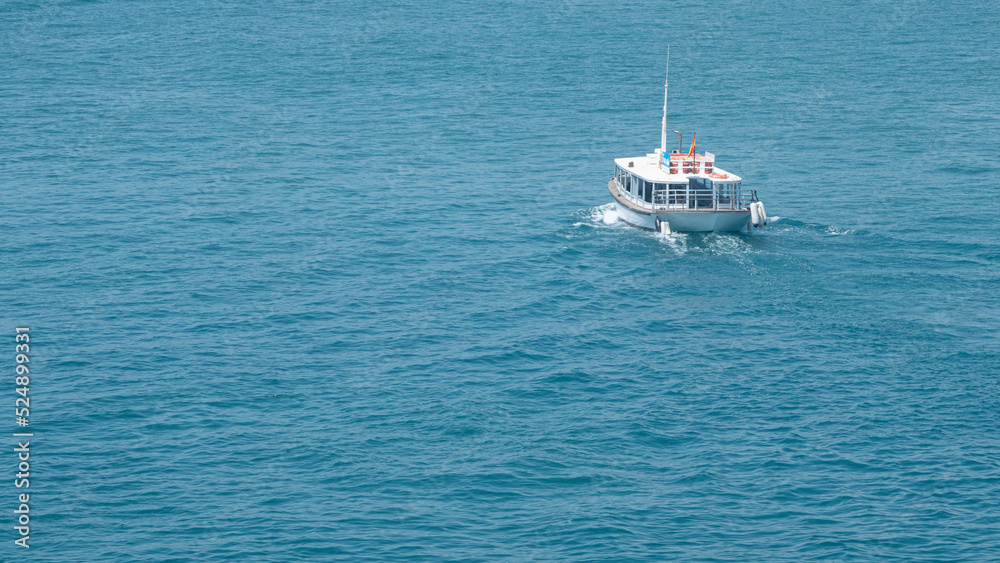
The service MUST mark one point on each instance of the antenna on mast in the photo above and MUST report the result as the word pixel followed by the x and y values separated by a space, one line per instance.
pixel 663 131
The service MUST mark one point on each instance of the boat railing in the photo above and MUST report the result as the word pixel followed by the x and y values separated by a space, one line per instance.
pixel 689 198
pixel 745 198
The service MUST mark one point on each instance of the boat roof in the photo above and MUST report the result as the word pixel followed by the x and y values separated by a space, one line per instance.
pixel 647 168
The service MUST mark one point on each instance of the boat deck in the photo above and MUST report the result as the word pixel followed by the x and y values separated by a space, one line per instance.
pixel 668 208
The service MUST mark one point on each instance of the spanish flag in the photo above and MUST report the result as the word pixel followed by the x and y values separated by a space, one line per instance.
pixel 690 153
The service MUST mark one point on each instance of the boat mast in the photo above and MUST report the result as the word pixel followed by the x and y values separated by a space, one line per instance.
pixel 663 131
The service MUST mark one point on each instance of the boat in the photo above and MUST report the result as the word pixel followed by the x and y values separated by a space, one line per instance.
pixel 682 192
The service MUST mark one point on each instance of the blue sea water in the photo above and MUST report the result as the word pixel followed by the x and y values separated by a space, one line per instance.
pixel 340 281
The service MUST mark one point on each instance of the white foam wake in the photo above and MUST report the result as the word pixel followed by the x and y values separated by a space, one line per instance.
pixel 610 214
pixel 600 215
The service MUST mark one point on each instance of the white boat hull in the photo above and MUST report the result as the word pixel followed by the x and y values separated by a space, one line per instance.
pixel 686 221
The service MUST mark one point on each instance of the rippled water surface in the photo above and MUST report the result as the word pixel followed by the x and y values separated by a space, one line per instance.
pixel 341 281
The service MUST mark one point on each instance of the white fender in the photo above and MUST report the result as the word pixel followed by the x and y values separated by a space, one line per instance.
pixel 754 215
pixel 664 228
pixel 763 215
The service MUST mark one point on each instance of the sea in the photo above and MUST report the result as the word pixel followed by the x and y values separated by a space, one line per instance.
pixel 342 281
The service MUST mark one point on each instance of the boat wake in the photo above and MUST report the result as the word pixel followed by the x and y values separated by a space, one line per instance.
pixel 610 216
pixel 782 225
pixel 602 215
pixel 675 245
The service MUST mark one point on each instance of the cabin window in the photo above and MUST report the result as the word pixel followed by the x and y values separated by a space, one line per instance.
pixel 647 194
pixel 701 194
pixel 725 191
pixel 654 196
pixel 677 194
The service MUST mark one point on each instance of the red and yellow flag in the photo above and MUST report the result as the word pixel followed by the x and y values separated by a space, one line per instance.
pixel 690 153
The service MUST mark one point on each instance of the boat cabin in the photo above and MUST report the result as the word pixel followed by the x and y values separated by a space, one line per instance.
pixel 678 182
